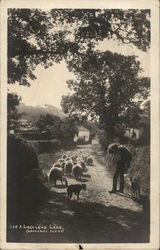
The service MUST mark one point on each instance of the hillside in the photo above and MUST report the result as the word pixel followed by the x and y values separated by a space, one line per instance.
pixel 32 113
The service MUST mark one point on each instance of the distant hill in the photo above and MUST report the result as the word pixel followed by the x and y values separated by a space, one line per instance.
pixel 32 113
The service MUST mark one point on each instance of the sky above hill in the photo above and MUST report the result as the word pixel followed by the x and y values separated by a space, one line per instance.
pixel 50 84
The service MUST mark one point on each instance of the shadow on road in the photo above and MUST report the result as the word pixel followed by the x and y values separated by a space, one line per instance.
pixel 60 186
pixel 124 195
pixel 86 175
pixel 82 180
pixel 85 222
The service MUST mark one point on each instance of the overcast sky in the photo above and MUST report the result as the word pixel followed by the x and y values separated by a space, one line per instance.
pixel 50 84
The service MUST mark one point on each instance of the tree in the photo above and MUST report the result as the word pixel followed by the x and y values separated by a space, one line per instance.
pixel 50 124
pixel 12 115
pixel 55 127
pixel 68 128
pixel 147 108
pixel 25 182
pixel 106 89
pixel 44 37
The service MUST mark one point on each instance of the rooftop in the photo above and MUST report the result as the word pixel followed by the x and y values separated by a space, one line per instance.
pixel 81 128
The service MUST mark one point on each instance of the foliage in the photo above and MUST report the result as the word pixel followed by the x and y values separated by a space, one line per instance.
pixel 22 156
pixel 44 37
pixel 68 128
pixel 147 108
pixel 25 182
pixel 106 89
pixel 140 167
pixel 50 124
pixel 12 113
pixel 110 80
pixel 54 127
pixel 48 145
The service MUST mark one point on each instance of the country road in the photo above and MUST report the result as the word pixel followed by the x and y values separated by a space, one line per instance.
pixel 97 217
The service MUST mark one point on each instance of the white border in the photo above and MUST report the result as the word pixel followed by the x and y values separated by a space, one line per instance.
pixel 122 4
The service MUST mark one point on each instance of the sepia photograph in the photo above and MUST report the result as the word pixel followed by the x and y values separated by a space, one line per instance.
pixel 78 125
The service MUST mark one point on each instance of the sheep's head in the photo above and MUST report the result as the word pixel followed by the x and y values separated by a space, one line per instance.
pixel 84 186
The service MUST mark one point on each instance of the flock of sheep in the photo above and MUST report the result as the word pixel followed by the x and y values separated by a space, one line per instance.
pixel 69 164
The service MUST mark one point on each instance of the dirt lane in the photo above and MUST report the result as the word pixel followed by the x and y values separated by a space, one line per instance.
pixel 100 182
pixel 98 217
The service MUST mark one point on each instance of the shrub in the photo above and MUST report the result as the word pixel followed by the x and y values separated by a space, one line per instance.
pixel 68 143
pixel 104 139
pixel 48 145
pixel 140 167
pixel 26 186
pixel 45 146
pixel 21 157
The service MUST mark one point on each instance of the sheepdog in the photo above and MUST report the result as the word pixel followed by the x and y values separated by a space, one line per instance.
pixel 76 189
pixel 135 188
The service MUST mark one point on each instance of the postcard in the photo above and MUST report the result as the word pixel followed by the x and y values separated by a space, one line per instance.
pixel 79 124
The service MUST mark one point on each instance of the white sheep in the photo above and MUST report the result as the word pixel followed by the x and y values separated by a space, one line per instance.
pixel 89 161
pixel 56 174
pixel 83 165
pixel 73 157
pixel 61 160
pixel 64 156
pixel 77 171
pixel 68 167
pixel 57 165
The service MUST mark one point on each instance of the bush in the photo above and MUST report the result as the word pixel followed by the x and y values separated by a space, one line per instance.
pixel 48 145
pixel 142 141
pixel 21 157
pixel 140 167
pixel 45 146
pixel 81 141
pixel 68 143
pixel 104 139
pixel 26 185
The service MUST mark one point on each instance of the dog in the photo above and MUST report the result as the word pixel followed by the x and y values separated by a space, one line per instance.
pixel 76 189
pixel 135 187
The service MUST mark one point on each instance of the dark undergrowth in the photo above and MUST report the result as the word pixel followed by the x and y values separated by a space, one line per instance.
pixel 85 222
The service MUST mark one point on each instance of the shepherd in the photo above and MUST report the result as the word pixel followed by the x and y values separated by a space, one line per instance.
pixel 122 164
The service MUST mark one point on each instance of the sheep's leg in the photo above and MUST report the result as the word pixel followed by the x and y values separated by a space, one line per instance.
pixel 139 193
pixel 62 181
pixel 132 194
pixel 77 196
pixel 136 194
pixel 68 198
pixel 55 182
pixel 70 195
